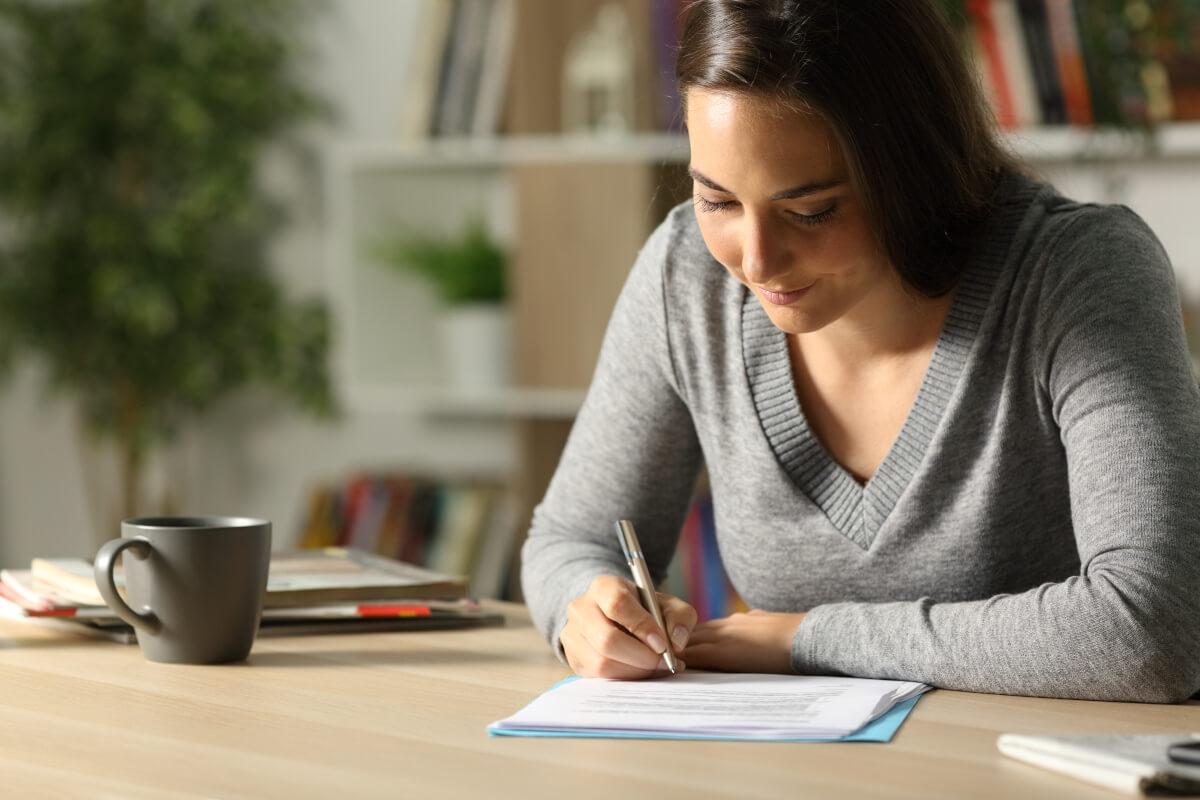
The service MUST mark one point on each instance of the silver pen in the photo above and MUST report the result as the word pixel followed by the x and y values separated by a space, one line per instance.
pixel 641 577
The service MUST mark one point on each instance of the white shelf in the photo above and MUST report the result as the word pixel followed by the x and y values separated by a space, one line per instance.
pixel 1043 144
pixel 476 153
pixel 513 403
pixel 1067 144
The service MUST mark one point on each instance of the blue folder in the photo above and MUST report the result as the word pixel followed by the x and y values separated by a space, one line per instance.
pixel 880 729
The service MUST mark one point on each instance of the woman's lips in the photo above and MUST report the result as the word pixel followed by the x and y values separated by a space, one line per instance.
pixel 784 298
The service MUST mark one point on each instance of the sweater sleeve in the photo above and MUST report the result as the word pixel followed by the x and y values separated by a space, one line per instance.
pixel 632 454
pixel 1114 365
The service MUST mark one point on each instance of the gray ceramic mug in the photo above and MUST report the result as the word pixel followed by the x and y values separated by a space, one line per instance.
pixel 195 585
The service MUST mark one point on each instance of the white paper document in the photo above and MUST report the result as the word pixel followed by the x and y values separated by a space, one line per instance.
pixel 714 704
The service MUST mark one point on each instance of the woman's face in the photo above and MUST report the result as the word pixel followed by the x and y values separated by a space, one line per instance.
pixel 776 208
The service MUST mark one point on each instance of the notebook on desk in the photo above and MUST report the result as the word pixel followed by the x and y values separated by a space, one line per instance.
pixel 1130 764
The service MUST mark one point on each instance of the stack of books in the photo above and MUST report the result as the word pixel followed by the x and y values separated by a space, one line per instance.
pixel 331 590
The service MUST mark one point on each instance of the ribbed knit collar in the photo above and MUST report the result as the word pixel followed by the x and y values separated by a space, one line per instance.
pixel 858 511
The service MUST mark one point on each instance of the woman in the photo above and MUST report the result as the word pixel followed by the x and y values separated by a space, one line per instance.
pixel 948 415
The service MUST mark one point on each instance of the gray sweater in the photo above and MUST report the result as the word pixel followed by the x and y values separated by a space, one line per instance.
pixel 1035 527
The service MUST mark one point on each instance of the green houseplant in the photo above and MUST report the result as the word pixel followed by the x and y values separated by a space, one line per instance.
pixel 467 269
pixel 467 272
pixel 132 227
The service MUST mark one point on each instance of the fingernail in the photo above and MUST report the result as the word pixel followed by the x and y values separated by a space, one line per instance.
pixel 679 636
pixel 656 643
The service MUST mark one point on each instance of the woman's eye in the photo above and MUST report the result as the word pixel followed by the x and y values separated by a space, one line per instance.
pixel 710 205
pixel 819 218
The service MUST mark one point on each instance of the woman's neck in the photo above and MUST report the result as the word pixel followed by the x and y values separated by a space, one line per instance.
pixel 890 325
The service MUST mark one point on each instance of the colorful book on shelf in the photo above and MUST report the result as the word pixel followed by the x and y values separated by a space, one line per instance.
pixel 691 558
pixel 464 515
pixel 495 70
pixel 460 67
pixel 321 519
pixel 983 24
pixel 497 547
pixel 1039 50
pixel 1015 62
pixel 422 522
pixel 393 520
pixel 1069 61
pixel 716 585
pixel 421 84
pixel 696 573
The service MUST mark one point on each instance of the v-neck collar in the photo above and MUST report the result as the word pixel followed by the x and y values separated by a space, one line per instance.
pixel 859 511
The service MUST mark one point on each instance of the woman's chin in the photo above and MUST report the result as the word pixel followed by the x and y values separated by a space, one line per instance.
pixel 793 321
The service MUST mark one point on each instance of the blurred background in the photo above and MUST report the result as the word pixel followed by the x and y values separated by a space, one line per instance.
pixel 346 265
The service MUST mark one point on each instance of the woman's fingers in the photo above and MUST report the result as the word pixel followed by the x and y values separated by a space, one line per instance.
pixel 609 634
pixel 618 599
pixel 588 663
pixel 680 618
pixel 613 642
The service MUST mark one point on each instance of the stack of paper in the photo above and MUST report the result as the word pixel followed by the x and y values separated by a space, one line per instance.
pixel 308 591
pixel 709 705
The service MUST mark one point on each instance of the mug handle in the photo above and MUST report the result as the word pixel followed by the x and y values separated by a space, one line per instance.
pixel 106 560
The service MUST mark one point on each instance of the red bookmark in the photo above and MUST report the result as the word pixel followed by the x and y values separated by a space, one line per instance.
pixel 393 611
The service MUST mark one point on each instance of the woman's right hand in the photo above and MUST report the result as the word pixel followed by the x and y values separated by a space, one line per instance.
pixel 610 635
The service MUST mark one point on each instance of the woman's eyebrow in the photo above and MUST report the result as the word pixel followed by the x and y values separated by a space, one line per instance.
pixel 699 177
pixel 786 194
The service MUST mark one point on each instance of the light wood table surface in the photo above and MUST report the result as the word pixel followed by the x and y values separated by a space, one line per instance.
pixel 402 715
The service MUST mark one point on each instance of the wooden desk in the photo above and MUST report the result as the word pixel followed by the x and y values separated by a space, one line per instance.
pixel 403 716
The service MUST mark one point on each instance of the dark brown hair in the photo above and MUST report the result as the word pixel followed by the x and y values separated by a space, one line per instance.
pixel 892 80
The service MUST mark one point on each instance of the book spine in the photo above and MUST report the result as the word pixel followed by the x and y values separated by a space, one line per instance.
pixel 714 572
pixel 496 547
pixel 983 24
pixel 496 69
pixel 461 68
pixel 1040 53
pixel 1069 61
pixel 1016 62
pixel 391 524
pixel 427 508
pixel 694 565
pixel 440 110
pixel 356 496
pixel 1093 23
pixel 424 70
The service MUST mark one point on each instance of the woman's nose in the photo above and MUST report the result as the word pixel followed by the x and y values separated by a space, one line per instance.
pixel 762 257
